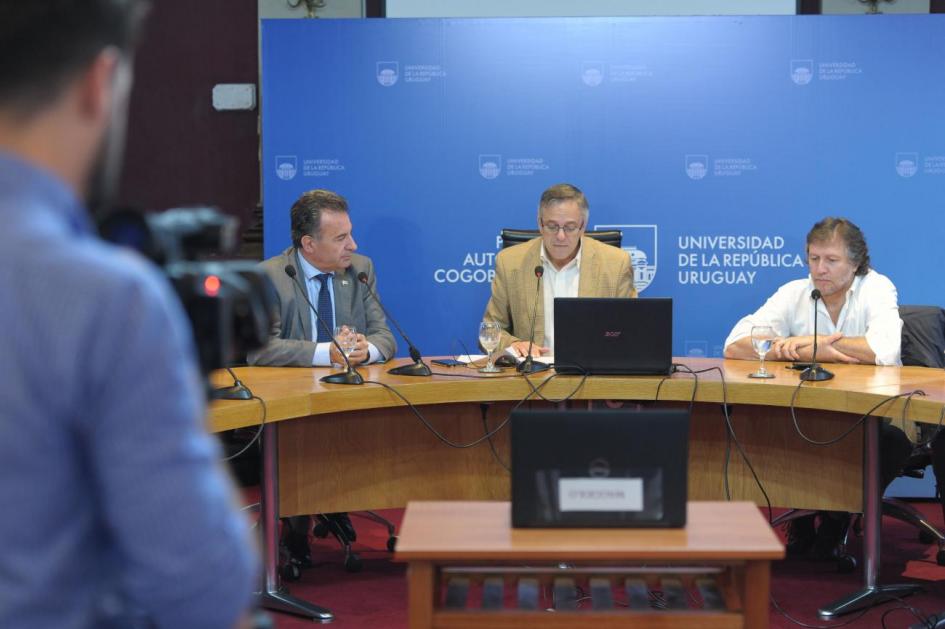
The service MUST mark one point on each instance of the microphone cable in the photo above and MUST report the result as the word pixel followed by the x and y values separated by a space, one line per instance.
pixel 442 438
pixel 857 423
pixel 258 434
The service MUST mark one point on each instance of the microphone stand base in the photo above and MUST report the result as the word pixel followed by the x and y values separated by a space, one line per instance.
pixel 418 368
pixel 235 392
pixel 343 377
pixel 531 366
pixel 816 373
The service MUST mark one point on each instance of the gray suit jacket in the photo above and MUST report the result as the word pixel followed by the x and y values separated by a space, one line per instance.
pixel 290 343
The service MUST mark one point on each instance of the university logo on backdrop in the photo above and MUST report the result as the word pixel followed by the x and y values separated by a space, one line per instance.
pixel 802 71
pixel 592 73
pixel 641 243
pixel 697 166
pixel 907 164
pixel 388 72
pixel 697 349
pixel 490 165
pixel 287 166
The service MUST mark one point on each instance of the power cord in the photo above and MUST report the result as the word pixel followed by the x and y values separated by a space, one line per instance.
pixel 801 623
pixel 924 622
pixel 734 438
pixel 569 396
pixel 484 410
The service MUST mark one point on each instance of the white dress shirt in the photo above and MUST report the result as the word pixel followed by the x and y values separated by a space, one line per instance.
pixel 871 310
pixel 322 356
pixel 558 283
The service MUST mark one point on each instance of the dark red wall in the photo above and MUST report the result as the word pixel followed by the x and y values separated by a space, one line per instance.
pixel 180 150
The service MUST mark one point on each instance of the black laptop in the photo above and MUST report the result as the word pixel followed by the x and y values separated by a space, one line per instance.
pixel 613 336
pixel 600 468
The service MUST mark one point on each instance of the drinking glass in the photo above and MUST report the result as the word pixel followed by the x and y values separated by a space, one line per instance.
pixel 489 336
pixel 761 338
pixel 347 337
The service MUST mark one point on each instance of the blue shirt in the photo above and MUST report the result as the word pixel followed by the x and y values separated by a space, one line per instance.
pixel 310 272
pixel 112 497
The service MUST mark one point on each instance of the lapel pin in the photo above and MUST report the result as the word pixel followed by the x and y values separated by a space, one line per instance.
pixel 344 282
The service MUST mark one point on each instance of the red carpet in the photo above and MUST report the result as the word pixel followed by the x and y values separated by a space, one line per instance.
pixel 376 597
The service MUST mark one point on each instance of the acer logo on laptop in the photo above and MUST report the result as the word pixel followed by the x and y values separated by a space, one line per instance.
pixel 612 334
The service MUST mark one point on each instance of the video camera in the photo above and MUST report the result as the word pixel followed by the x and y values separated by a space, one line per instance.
pixel 230 303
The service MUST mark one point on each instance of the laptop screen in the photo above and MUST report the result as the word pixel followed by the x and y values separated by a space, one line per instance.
pixel 600 468
pixel 603 335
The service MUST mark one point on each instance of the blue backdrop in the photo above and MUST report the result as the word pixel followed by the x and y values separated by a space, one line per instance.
pixel 715 143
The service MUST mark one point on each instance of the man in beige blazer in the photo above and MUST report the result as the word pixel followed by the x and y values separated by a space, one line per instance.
pixel 573 266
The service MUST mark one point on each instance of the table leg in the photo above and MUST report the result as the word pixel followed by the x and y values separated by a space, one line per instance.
pixel 273 595
pixel 757 593
pixel 872 593
pixel 420 592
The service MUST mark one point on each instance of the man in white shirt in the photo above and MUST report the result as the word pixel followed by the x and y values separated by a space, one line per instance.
pixel 857 317
pixel 857 322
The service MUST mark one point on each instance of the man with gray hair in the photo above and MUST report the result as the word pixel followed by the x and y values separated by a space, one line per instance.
pixel 574 266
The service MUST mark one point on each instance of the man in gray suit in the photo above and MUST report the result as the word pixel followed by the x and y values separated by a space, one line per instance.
pixel 327 268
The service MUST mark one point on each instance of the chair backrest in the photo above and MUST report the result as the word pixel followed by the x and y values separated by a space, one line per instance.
pixel 923 336
pixel 517 236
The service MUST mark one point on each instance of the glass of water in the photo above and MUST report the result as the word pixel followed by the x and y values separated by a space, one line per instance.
pixel 347 337
pixel 489 335
pixel 761 338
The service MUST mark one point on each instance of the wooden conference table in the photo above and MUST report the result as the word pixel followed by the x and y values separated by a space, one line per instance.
pixel 334 448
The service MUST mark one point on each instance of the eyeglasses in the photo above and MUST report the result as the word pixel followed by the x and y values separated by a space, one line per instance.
pixel 554 228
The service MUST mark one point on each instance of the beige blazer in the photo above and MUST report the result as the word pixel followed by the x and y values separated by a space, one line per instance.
pixel 606 271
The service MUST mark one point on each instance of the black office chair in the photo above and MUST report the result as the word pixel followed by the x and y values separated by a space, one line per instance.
pixel 517 236
pixel 923 345
pixel 295 551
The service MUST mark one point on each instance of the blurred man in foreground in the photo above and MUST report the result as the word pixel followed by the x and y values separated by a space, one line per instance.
pixel 117 513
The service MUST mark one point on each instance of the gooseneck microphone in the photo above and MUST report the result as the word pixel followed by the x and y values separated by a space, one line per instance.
pixel 237 391
pixel 418 368
pixel 529 365
pixel 815 372
pixel 346 377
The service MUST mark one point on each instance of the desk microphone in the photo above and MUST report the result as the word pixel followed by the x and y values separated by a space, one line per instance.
pixel 237 391
pixel 348 377
pixel 529 365
pixel 418 368
pixel 815 372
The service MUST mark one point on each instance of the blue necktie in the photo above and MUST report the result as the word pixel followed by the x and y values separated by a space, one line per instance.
pixel 324 310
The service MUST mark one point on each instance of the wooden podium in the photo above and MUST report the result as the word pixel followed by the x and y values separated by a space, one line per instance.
pixel 467 568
